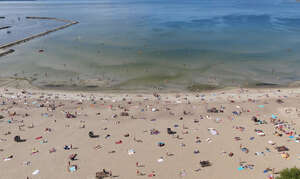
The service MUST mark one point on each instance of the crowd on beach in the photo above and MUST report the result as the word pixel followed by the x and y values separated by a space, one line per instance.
pixel 240 133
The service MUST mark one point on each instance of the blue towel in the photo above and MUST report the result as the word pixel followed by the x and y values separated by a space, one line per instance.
pixel 274 117
pixel 240 168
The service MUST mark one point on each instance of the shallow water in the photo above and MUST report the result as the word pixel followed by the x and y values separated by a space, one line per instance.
pixel 151 44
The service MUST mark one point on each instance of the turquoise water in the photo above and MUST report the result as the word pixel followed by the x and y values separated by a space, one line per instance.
pixel 155 44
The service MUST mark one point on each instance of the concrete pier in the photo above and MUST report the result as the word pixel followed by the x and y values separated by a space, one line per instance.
pixel 69 23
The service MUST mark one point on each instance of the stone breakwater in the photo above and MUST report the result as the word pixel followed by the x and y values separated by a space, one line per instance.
pixel 5 27
pixel 68 24
pixel 6 52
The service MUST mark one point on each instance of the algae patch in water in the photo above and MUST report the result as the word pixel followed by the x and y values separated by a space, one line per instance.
pixel 202 87
pixel 158 79
pixel 262 85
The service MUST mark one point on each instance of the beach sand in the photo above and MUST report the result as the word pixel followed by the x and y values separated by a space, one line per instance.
pixel 133 141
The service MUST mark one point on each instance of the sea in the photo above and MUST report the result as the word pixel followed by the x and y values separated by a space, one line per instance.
pixel 146 45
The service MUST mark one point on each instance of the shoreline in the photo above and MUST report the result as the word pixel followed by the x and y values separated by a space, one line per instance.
pixel 228 92
pixel 25 83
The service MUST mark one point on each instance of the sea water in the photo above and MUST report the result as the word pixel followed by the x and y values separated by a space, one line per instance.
pixel 160 44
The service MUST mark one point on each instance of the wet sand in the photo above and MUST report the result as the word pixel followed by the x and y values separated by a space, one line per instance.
pixel 222 127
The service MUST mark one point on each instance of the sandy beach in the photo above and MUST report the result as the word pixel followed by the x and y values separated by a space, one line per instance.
pixel 50 134
pixel 149 89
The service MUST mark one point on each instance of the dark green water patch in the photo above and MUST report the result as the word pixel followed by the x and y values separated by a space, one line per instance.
pixel 262 85
pixel 70 87
pixel 54 86
pixel 202 87
pixel 155 79
pixel 266 84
